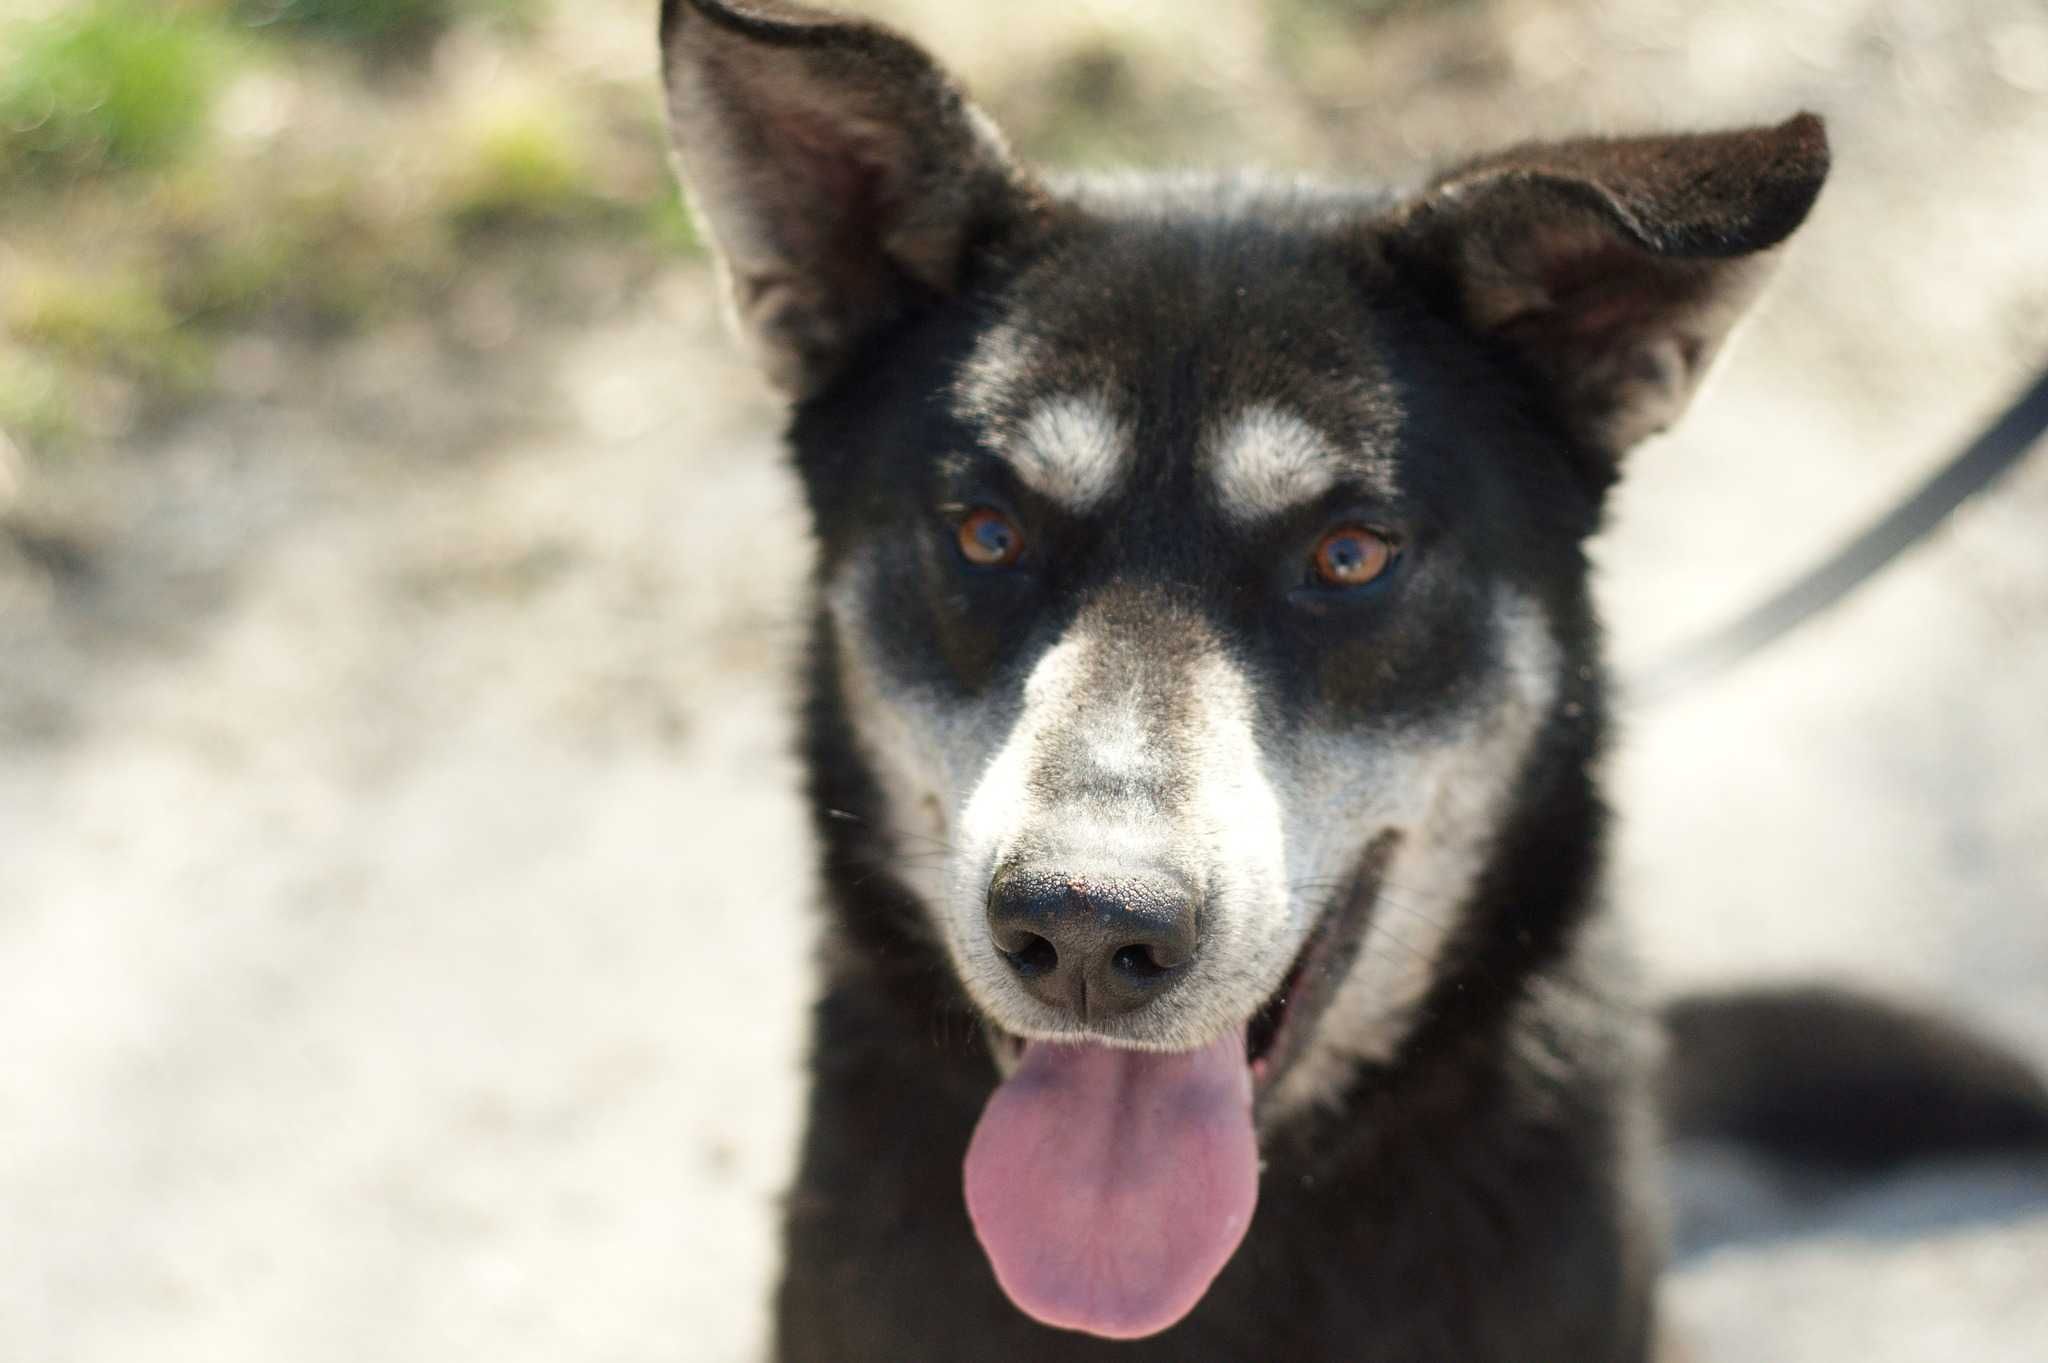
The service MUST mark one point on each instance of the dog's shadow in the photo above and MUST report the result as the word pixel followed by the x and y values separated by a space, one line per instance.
pixel 1722 1197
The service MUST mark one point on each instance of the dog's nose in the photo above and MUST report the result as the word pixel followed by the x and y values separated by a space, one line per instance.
pixel 1097 947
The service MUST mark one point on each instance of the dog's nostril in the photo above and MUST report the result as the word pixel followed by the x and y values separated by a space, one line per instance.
pixel 1139 962
pixel 1032 955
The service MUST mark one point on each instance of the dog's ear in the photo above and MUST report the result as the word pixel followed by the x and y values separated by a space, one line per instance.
pixel 1615 269
pixel 840 175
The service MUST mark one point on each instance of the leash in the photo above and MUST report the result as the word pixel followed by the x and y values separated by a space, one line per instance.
pixel 1994 453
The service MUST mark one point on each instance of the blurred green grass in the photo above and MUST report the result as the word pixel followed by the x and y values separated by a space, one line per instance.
pixel 377 28
pixel 522 166
pixel 173 172
pixel 119 320
pixel 112 85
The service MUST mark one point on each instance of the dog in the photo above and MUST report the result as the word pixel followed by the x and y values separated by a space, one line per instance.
pixel 1204 708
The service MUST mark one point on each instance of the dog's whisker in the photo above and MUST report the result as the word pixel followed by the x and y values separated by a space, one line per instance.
pixel 1418 914
pixel 1384 934
pixel 888 830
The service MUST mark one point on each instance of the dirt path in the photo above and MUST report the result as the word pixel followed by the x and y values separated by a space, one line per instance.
pixel 401 942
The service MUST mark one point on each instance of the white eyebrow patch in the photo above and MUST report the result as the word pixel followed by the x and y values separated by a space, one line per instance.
pixel 1266 462
pixel 1070 449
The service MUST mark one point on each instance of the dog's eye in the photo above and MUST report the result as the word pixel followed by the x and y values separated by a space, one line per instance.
pixel 989 539
pixel 1351 556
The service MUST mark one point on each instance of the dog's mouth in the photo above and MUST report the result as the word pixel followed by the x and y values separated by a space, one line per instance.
pixel 1280 1031
pixel 1110 1186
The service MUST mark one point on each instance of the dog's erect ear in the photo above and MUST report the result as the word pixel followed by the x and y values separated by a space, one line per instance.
pixel 1615 269
pixel 839 172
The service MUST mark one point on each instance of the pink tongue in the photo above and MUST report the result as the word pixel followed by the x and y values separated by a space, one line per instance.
pixel 1109 1187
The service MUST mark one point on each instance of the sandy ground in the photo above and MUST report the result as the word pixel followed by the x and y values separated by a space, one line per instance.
pixel 402 935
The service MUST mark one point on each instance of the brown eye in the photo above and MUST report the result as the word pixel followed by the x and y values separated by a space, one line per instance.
pixel 989 539
pixel 1351 556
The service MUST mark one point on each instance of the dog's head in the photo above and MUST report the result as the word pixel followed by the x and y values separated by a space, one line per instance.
pixel 1202 560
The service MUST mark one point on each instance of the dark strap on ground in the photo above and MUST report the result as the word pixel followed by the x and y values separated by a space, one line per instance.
pixel 1993 454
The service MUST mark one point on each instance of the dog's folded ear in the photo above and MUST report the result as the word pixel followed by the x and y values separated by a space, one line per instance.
pixel 1615 269
pixel 840 175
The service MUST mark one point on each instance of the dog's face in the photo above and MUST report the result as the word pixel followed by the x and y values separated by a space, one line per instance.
pixel 1242 584
pixel 1202 568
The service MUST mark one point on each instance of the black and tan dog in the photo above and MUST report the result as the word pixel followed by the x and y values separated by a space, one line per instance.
pixel 1204 704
